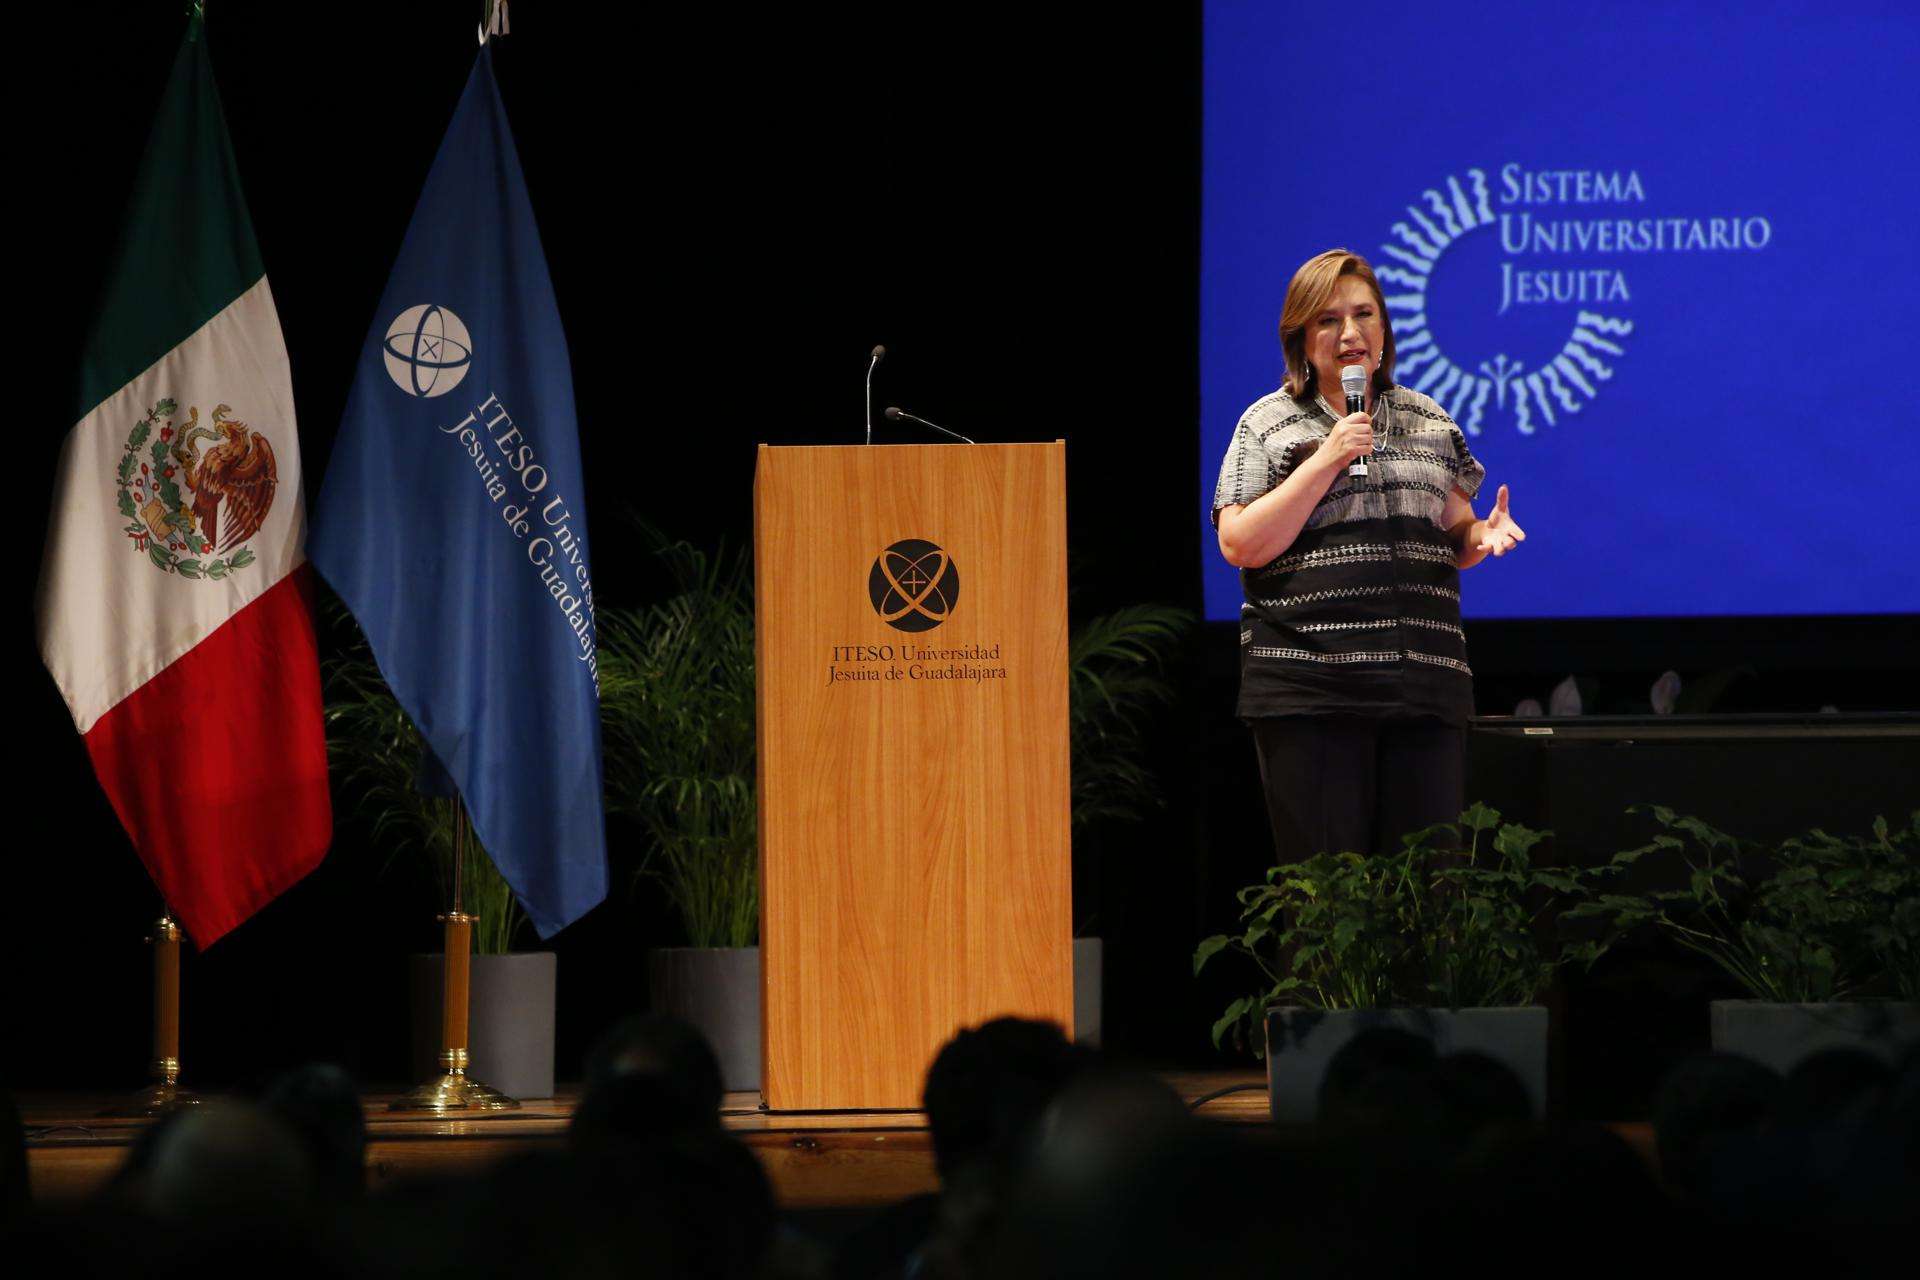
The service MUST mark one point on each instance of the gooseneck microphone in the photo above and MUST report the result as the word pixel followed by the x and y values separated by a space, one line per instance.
pixel 898 415
pixel 1353 381
pixel 878 352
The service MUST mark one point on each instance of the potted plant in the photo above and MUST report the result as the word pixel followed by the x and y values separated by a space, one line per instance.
pixel 1453 937
pixel 1822 931
pixel 377 754
pixel 1114 666
pixel 677 723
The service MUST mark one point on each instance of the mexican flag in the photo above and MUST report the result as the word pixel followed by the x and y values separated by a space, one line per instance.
pixel 174 598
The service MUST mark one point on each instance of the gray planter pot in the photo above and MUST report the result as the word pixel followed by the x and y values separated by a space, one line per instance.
pixel 509 1020
pixel 717 989
pixel 1781 1036
pixel 1088 956
pixel 1300 1043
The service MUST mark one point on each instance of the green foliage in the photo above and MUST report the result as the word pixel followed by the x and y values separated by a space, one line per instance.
pixel 374 750
pixel 677 723
pixel 1819 918
pixel 1462 916
pixel 1114 679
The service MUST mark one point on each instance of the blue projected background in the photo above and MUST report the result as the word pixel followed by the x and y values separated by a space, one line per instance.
pixel 1658 261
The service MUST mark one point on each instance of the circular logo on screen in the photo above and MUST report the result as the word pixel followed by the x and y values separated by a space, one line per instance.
pixel 1527 300
pixel 427 350
pixel 913 585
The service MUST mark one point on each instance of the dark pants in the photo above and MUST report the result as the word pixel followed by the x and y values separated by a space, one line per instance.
pixel 1356 786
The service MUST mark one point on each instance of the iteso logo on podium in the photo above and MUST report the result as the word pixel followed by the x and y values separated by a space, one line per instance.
pixel 913 585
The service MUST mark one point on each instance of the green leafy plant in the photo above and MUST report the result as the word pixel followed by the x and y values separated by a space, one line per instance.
pixel 1462 916
pixel 1116 664
pixel 1818 918
pixel 677 723
pixel 375 753
pixel 1114 678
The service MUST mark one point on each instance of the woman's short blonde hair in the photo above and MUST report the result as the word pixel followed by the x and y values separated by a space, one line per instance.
pixel 1312 288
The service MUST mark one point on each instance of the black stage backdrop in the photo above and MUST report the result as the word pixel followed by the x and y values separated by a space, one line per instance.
pixel 735 207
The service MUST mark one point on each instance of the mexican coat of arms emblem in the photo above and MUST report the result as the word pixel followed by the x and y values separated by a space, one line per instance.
pixel 191 512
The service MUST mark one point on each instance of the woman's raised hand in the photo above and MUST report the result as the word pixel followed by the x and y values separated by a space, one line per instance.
pixel 1351 437
pixel 1499 534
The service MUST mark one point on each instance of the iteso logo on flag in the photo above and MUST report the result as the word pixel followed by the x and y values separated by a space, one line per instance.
pixel 427 350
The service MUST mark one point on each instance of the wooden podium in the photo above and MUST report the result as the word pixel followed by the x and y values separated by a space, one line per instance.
pixel 911 649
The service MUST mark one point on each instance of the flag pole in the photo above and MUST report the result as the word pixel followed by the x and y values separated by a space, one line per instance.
pixel 453 1089
pixel 165 1093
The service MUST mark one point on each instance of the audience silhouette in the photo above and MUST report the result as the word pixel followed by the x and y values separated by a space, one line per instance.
pixel 1052 1161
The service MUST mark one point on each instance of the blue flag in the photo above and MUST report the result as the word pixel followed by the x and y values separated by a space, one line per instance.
pixel 453 519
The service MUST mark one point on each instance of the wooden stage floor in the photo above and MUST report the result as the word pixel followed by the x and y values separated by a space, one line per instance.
pixel 837 1160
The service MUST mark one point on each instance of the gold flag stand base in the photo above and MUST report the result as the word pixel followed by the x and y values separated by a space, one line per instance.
pixel 165 1093
pixel 154 1100
pixel 454 1092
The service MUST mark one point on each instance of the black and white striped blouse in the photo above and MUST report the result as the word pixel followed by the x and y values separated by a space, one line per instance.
pixel 1361 615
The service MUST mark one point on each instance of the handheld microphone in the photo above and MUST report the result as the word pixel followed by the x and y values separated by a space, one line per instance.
pixel 1353 381
pixel 897 415
pixel 878 352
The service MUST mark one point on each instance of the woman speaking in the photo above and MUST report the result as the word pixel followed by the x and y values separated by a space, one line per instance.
pixel 1353 666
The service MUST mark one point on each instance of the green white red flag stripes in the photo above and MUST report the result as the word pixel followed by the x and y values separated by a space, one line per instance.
pixel 173 608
